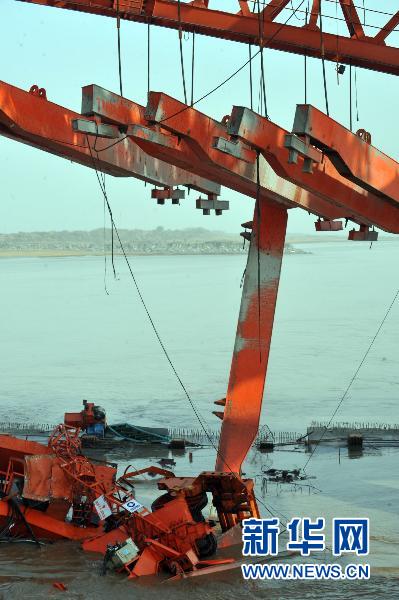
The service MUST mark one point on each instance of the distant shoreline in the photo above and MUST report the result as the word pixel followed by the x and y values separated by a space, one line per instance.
pixel 139 242
pixel 81 254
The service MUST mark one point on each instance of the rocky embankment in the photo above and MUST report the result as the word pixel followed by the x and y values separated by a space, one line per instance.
pixel 135 241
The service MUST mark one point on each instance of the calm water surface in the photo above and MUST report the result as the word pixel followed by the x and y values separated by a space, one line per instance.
pixel 63 339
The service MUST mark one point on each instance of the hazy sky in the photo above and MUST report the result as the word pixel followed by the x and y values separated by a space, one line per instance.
pixel 64 50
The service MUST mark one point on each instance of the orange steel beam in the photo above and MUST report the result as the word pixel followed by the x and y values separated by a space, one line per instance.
pixel 254 332
pixel 352 19
pixel 169 143
pixel 353 157
pixel 330 178
pixel 389 27
pixel 33 120
pixel 203 145
pixel 227 153
pixel 247 27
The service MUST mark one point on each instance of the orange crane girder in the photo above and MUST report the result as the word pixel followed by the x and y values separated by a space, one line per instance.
pixel 169 142
pixel 228 153
pixel 31 119
pixel 253 338
pixel 249 27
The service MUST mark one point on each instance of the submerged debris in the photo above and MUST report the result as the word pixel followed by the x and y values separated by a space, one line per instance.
pixel 167 462
pixel 285 475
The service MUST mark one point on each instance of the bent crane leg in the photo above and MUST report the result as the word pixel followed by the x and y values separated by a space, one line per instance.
pixel 252 345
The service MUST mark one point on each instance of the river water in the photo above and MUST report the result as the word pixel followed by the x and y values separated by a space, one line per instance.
pixel 63 338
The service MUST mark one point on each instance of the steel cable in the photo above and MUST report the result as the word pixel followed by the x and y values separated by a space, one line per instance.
pixel 354 377
pixel 183 76
pixel 118 28
pixel 323 60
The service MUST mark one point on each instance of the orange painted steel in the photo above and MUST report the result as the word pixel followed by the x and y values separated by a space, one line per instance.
pixel 353 157
pixel 246 26
pixel 33 466
pixel 17 448
pixel 45 125
pixel 34 120
pixel 227 153
pixel 353 196
pixel 233 496
pixel 253 338
pixel 185 136
pixel 47 527
pixel 168 133
pixel 59 478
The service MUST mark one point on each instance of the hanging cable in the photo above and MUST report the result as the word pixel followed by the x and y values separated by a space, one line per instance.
pixel 105 249
pixel 181 53
pixel 263 85
pixel 192 69
pixel 112 251
pixel 292 8
pixel 354 376
pixel 250 77
pixel 260 97
pixel 364 13
pixel 148 59
pixel 350 97
pixel 306 61
pixel 238 70
pixel 356 104
pixel 337 68
pixel 305 79
pixel 118 29
pixel 104 214
pixel 258 217
pixel 105 195
pixel 112 229
pixel 261 23
pixel 342 19
pixel 323 60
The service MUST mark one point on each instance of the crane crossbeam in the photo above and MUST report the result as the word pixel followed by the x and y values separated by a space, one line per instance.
pixel 170 143
pixel 249 26
pixel 225 152
pixel 31 119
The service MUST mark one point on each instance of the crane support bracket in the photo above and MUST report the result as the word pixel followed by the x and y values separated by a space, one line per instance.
pixel 301 147
pixel 101 130
pixel 326 225
pixel 234 148
pixel 208 204
pixel 168 194
pixel 364 234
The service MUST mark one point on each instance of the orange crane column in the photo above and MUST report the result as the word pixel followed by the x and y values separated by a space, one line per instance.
pixel 254 332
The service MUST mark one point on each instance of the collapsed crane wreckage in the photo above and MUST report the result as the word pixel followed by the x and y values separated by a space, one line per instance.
pixel 320 166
